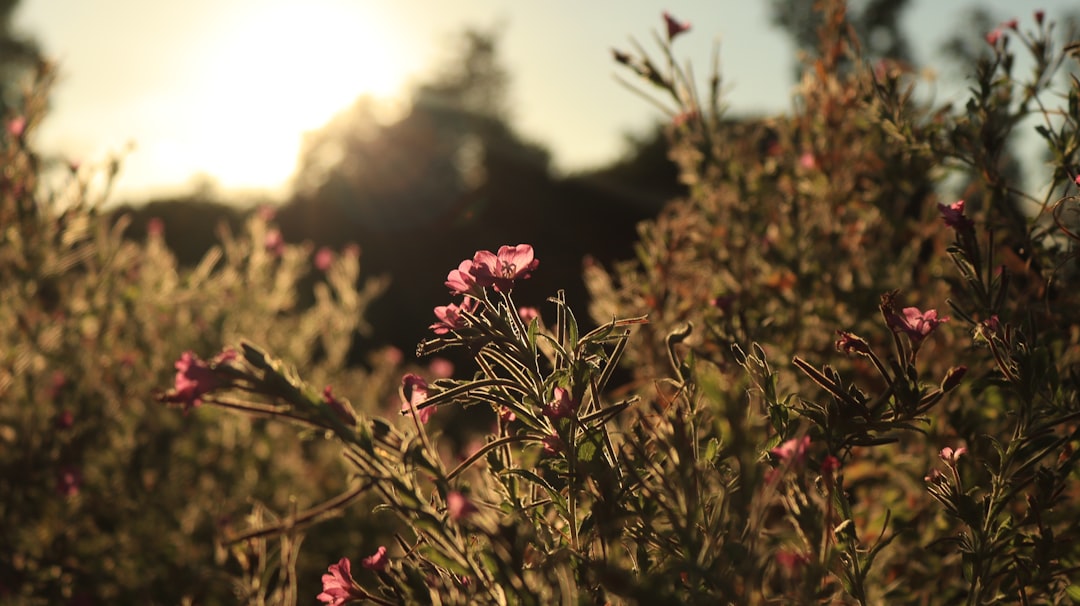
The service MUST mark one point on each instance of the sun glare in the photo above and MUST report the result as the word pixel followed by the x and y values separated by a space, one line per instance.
pixel 283 71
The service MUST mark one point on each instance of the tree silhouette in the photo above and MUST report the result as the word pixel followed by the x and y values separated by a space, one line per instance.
pixel 19 54
pixel 449 177
pixel 876 23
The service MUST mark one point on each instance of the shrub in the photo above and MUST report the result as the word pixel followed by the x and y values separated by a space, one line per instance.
pixel 108 498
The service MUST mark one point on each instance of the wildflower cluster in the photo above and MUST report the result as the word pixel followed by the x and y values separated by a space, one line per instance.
pixel 906 455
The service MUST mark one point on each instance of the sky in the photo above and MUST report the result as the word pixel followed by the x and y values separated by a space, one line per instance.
pixel 224 89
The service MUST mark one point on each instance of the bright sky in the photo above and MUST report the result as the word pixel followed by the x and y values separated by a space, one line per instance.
pixel 225 88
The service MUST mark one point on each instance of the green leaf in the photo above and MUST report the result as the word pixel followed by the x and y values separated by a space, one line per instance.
pixel 588 449
pixel 443 560
pixel 553 494
pixel 711 449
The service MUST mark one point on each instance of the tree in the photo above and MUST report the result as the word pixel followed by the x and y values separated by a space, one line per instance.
pixel 876 24
pixel 19 54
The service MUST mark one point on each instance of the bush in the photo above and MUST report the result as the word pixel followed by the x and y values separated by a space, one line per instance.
pixel 920 447
pixel 109 498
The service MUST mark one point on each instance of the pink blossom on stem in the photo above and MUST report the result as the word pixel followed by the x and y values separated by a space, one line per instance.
pixel 674 26
pixel 68 481
pixel 951 456
pixel 392 355
pixel 340 408
pixel 953 214
pixel 274 242
pixel 916 324
pixel 1039 16
pixel 267 213
pixel 829 465
pixel 562 406
pixel 507 414
pixel 376 561
pixel 324 258
pixel 64 420
pixel 993 37
pixel 458 506
pixel 1012 24
pixel 461 281
pixel 683 118
pixel 450 316
pixel 552 444
pixel 500 270
pixel 441 368
pixel 339 587
pixel 792 451
pixel 850 343
pixel 57 384
pixel 414 391
pixel 528 314
pixel 791 561
pixel 16 126
pixel 194 379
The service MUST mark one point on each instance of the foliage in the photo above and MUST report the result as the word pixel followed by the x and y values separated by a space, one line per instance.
pixel 842 384
pixel 107 499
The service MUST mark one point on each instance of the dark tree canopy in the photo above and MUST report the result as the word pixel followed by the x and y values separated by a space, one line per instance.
pixel 18 55
pixel 876 22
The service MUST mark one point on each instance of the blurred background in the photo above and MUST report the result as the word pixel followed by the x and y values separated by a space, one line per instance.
pixel 421 130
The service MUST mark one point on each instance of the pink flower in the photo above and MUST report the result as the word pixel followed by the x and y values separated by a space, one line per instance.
pixel 500 270
pixel 552 444
pixel 16 126
pixel 850 343
pixel 376 561
pixel 68 481
pixel 441 368
pixel 340 408
pixel 194 379
pixel 793 450
pixel 458 506
pixel 916 324
pixel 951 456
pixel 274 242
pixel 1077 180
pixel 56 384
pixel 461 281
pixel 808 161
pixel 829 465
pixel 267 213
pixel 450 316
pixel 674 26
pixel 683 118
pixel 507 414
pixel 392 355
pixel 414 391
pixel 528 314
pixel 64 420
pixel 338 585
pixel 992 38
pixel 324 258
pixel 1039 16
pixel 1011 24
pixel 562 406
pixel 791 561
pixel 953 215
